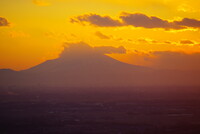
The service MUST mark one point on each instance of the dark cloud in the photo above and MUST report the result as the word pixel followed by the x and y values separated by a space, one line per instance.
pixel 82 48
pixel 96 20
pixel 189 23
pixel 186 42
pixel 136 20
pixel 110 49
pixel 4 22
pixel 101 35
pixel 142 20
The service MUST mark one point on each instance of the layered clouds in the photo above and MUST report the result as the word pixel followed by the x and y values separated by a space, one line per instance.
pixel 135 20
pixel 142 20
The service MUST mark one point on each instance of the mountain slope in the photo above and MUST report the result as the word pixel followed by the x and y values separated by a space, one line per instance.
pixel 87 70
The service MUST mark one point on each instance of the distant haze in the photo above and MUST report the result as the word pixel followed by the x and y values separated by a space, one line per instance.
pixel 81 65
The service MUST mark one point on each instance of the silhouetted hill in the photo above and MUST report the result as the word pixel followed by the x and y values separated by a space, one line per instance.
pixel 86 67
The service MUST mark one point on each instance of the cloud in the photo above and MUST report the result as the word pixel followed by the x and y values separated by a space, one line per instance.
pixel 189 23
pixel 186 42
pixel 147 40
pixel 4 22
pixel 110 49
pixel 41 2
pixel 82 48
pixel 164 60
pixel 114 38
pixel 96 20
pixel 135 20
pixel 142 20
pixel 101 35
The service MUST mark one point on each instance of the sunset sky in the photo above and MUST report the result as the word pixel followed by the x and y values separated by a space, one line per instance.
pixel 155 33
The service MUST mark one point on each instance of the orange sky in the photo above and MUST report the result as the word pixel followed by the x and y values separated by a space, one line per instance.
pixel 32 31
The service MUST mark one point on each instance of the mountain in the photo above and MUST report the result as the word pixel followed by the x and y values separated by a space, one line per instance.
pixel 85 67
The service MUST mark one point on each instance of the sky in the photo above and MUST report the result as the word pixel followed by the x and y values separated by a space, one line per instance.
pixel 162 34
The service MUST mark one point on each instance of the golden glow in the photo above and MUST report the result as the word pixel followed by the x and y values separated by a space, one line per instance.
pixel 38 28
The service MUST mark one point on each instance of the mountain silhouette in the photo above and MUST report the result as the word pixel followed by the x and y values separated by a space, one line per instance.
pixel 83 66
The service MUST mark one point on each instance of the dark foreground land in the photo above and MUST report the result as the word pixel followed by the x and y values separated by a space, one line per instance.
pixel 100 111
